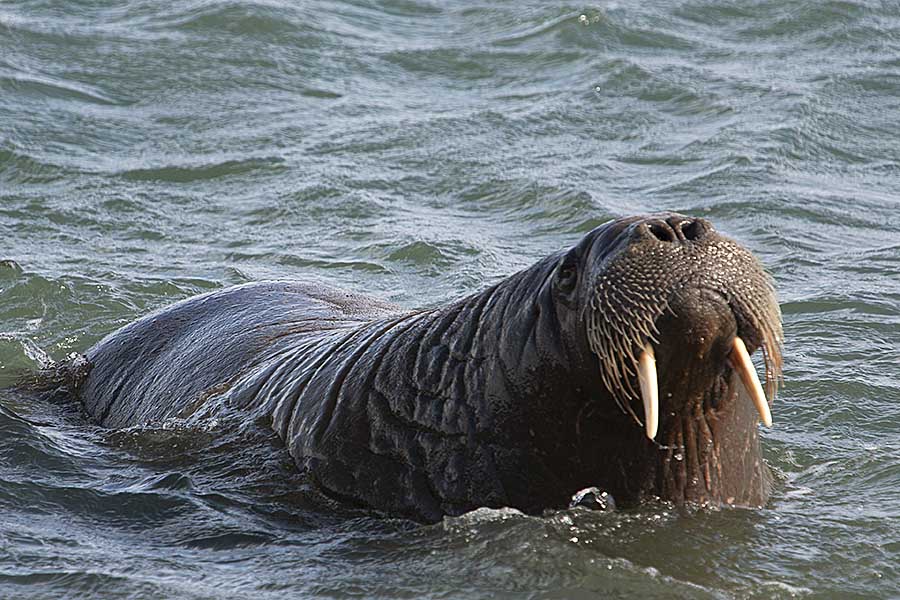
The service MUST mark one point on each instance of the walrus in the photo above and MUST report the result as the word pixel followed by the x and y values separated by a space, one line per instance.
pixel 621 363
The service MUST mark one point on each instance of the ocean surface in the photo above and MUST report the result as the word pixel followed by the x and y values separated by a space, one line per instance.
pixel 420 150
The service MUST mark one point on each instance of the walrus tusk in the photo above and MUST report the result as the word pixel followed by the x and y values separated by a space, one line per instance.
pixel 649 390
pixel 740 360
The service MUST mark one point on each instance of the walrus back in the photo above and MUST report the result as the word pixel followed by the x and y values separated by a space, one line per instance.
pixel 166 363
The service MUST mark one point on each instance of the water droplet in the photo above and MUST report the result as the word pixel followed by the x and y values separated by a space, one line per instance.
pixel 679 456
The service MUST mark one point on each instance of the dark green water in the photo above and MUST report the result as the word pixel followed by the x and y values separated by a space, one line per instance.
pixel 418 151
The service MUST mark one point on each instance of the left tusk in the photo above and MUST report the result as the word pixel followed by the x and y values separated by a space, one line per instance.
pixel 649 390
pixel 740 360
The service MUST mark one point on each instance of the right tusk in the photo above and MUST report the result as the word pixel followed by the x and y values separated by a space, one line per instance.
pixel 740 360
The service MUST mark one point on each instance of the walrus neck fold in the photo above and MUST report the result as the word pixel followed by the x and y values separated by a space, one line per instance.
pixel 477 382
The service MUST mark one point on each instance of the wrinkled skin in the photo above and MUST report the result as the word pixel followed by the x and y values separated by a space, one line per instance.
pixel 503 398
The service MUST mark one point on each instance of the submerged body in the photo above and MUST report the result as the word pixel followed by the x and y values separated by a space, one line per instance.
pixel 519 396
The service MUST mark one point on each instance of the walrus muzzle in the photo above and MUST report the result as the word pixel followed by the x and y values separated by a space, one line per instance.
pixel 649 279
pixel 621 363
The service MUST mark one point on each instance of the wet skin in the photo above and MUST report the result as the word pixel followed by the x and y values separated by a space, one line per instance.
pixel 519 395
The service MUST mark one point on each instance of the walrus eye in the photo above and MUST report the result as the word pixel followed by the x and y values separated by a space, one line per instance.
pixel 566 277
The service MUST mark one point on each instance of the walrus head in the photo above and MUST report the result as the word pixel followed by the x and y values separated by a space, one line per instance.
pixel 663 313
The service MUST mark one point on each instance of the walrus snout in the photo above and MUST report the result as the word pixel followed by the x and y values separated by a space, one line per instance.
pixel 672 311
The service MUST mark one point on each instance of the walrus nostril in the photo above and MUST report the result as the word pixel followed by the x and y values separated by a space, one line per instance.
pixel 662 231
pixel 693 230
